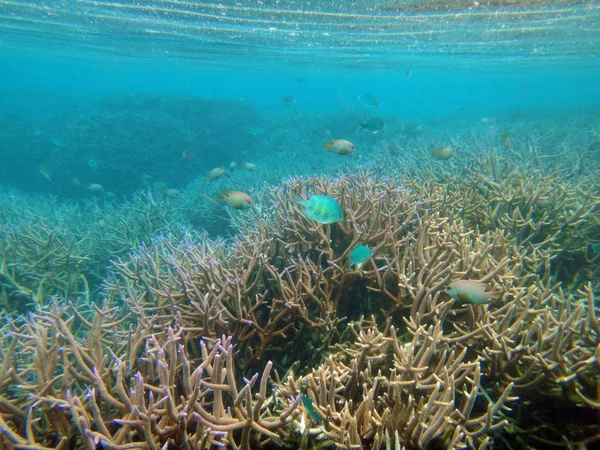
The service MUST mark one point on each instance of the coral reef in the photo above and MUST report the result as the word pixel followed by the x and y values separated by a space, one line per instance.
pixel 70 385
pixel 51 248
pixel 269 339
pixel 204 342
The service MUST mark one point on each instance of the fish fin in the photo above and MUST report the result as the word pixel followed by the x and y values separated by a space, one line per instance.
pixel 494 294
pixel 298 200
pixel 590 252
pixel 327 145
pixel 464 298
pixel 237 205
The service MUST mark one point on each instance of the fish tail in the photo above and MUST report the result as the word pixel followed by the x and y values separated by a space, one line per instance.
pixel 301 202
pixel 297 199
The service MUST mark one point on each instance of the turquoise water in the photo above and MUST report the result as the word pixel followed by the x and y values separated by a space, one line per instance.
pixel 354 34
pixel 463 58
pixel 453 62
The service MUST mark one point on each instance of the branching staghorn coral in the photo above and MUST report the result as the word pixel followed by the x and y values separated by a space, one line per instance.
pixel 50 249
pixel 40 256
pixel 261 288
pixel 540 206
pixel 419 392
pixel 375 210
pixel 212 288
pixel 93 382
pixel 282 291
pixel 417 253
pixel 439 251
pixel 558 342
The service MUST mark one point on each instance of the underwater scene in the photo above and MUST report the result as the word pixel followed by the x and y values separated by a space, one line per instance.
pixel 278 224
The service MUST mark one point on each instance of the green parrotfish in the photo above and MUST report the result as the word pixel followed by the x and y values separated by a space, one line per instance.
pixel 321 208
pixel 359 256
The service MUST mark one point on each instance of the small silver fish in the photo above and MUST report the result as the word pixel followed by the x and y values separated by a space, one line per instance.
pixel 95 187
pixel 471 291
pixel 255 130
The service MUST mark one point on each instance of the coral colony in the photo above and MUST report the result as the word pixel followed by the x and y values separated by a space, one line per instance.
pixel 269 339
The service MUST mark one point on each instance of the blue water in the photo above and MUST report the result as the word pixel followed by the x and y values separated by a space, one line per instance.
pixel 452 64
pixel 443 64
pixel 35 84
pixel 465 59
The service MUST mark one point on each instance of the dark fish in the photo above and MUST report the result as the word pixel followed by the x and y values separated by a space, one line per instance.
pixel 393 149
pixel 369 99
pixel 288 100
pixel 593 250
pixel 374 125
pixel 506 141
pixel 46 173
